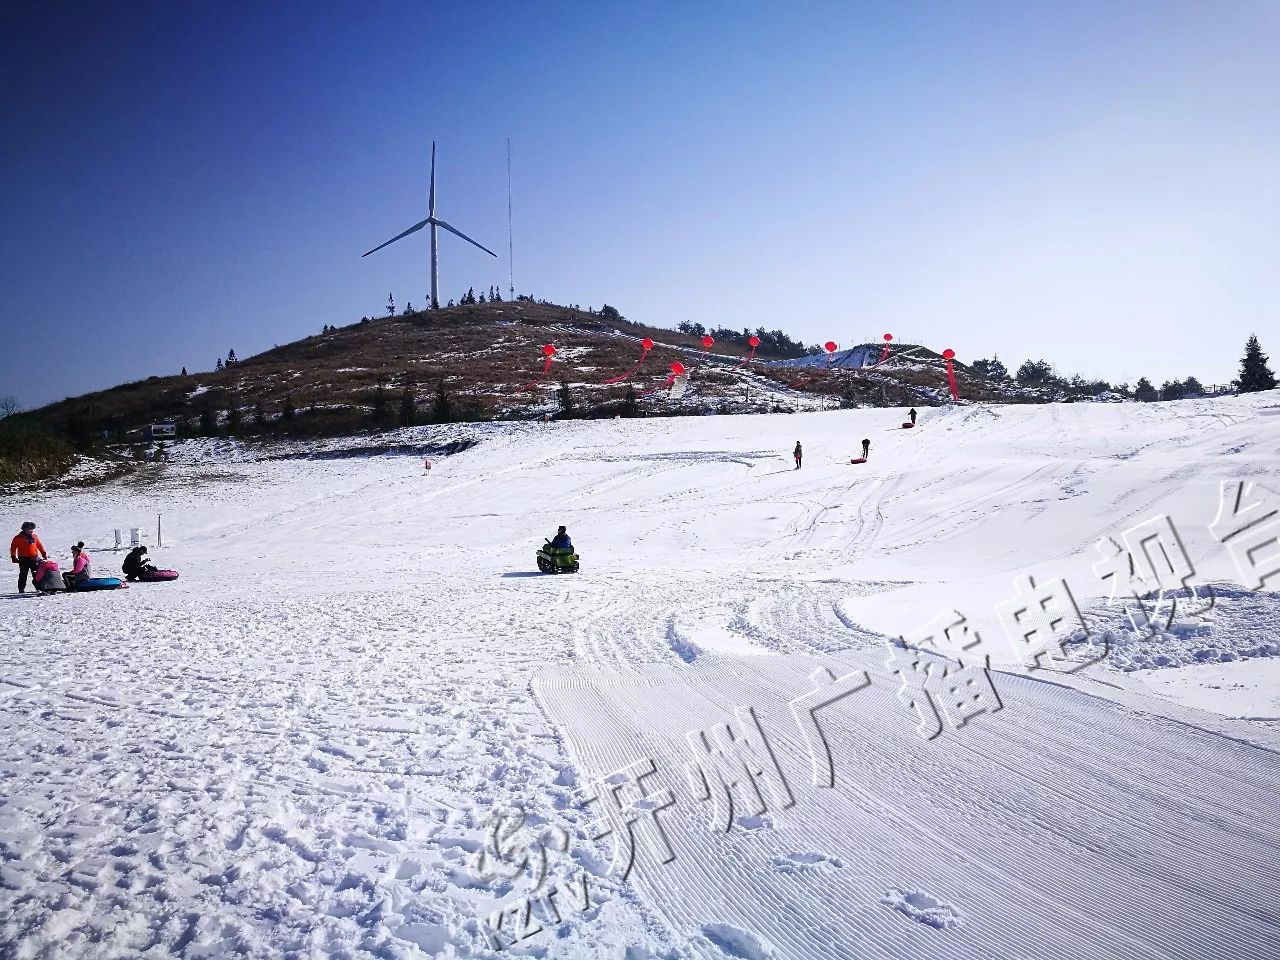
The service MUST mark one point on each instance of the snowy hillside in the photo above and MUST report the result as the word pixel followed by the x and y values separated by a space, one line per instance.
pixel 314 742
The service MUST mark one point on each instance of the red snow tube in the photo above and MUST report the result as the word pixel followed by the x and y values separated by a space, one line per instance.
pixel 908 425
pixel 859 460
pixel 157 576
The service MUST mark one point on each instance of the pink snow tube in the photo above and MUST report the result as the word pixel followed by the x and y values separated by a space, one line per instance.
pixel 157 576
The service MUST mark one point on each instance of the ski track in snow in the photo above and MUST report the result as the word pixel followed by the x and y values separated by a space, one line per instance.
pixel 293 750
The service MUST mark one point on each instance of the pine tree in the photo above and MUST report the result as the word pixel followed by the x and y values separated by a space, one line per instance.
pixel 482 300
pixel 1255 375
pixel 992 369
pixel 380 405
pixel 1035 373
pixel 184 371
pixel 231 357
pixel 407 408
pixel 391 305
pixel 497 296
pixel 565 395
pixel 218 365
pixel 286 409
pixel 1191 387
pixel 408 308
pixel 630 405
pixel 1144 391
pixel 442 411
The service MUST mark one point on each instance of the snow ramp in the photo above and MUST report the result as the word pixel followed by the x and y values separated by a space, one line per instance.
pixel 1057 826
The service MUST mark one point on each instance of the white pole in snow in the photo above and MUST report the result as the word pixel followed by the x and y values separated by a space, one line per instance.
pixel 159 541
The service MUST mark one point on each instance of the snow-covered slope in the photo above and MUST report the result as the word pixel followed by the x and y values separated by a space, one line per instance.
pixel 296 749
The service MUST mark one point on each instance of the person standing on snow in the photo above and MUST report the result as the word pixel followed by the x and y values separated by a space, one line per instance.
pixel 798 453
pixel 866 449
pixel 912 415
pixel 26 551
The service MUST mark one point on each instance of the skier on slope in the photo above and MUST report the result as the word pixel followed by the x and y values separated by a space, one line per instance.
pixel 26 550
pixel 798 454
pixel 866 449
pixel 912 415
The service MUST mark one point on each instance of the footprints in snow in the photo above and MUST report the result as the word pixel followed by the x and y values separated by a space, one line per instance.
pixel 735 942
pixel 800 863
pixel 923 908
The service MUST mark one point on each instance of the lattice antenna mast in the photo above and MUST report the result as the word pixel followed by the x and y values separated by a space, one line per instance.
pixel 511 269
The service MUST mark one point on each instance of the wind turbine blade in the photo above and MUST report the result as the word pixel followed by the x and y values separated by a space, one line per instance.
pixel 431 203
pixel 414 229
pixel 458 233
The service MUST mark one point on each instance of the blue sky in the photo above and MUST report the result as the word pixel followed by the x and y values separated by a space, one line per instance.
pixel 1095 184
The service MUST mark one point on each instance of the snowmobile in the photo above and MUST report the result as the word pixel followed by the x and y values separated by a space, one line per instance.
pixel 557 559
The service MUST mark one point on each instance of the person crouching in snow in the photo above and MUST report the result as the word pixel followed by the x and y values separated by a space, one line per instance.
pixel 79 566
pixel 26 551
pixel 798 454
pixel 136 563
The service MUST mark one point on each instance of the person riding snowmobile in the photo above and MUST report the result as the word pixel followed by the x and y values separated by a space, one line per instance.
pixel 561 540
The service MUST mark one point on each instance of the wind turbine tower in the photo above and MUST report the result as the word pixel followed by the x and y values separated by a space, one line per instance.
pixel 433 221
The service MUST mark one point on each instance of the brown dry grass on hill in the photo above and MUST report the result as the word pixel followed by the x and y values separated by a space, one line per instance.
pixel 486 356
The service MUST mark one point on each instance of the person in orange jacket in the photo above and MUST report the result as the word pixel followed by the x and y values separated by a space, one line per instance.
pixel 26 551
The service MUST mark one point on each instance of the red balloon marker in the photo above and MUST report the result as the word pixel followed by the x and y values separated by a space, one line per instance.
pixel 884 354
pixel 752 341
pixel 949 355
pixel 708 342
pixel 677 369
pixel 831 346
pixel 645 346
pixel 548 351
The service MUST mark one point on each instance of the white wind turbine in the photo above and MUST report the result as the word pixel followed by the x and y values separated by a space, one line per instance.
pixel 433 222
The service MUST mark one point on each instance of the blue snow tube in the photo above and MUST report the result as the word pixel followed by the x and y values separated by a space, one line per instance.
pixel 99 583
